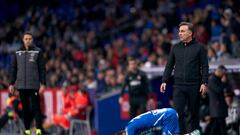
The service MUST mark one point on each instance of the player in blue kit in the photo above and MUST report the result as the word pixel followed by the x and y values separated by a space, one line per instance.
pixel 156 122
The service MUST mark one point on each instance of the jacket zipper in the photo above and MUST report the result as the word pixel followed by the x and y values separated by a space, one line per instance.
pixel 25 69
pixel 184 68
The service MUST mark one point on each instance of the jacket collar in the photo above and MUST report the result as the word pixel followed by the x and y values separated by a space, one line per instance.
pixel 217 77
pixel 30 48
pixel 193 41
pixel 134 73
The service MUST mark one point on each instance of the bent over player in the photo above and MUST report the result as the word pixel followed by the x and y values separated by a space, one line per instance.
pixel 156 122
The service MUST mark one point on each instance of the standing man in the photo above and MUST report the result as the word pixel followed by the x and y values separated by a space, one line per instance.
pixel 28 76
pixel 218 107
pixel 138 88
pixel 190 63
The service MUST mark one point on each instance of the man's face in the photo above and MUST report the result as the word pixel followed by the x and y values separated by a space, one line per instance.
pixel 223 73
pixel 228 100
pixel 27 40
pixel 132 65
pixel 184 33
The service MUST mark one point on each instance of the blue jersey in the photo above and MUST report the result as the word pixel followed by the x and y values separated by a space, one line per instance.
pixel 164 119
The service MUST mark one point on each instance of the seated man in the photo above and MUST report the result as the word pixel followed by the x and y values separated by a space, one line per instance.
pixel 160 121
pixel 75 103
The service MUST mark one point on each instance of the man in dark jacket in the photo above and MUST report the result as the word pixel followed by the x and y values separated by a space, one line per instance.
pixel 218 107
pixel 138 88
pixel 28 76
pixel 190 63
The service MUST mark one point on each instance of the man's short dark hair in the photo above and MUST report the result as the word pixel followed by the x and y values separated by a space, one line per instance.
pixel 229 94
pixel 131 58
pixel 222 67
pixel 27 33
pixel 190 26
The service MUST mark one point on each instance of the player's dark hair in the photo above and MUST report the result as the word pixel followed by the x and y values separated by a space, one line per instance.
pixel 120 132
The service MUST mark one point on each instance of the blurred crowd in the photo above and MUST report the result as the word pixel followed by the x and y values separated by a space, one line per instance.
pixel 89 41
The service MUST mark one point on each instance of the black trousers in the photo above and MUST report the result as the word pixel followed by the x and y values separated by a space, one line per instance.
pixel 218 126
pixel 3 120
pixel 31 108
pixel 137 105
pixel 187 99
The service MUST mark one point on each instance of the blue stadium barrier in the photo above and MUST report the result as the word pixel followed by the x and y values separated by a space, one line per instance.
pixel 107 114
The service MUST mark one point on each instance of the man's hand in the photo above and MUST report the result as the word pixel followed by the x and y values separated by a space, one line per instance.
pixel 224 78
pixel 163 87
pixel 203 89
pixel 120 100
pixel 42 88
pixel 11 89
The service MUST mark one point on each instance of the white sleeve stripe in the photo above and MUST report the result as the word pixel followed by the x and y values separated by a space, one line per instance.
pixel 158 120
